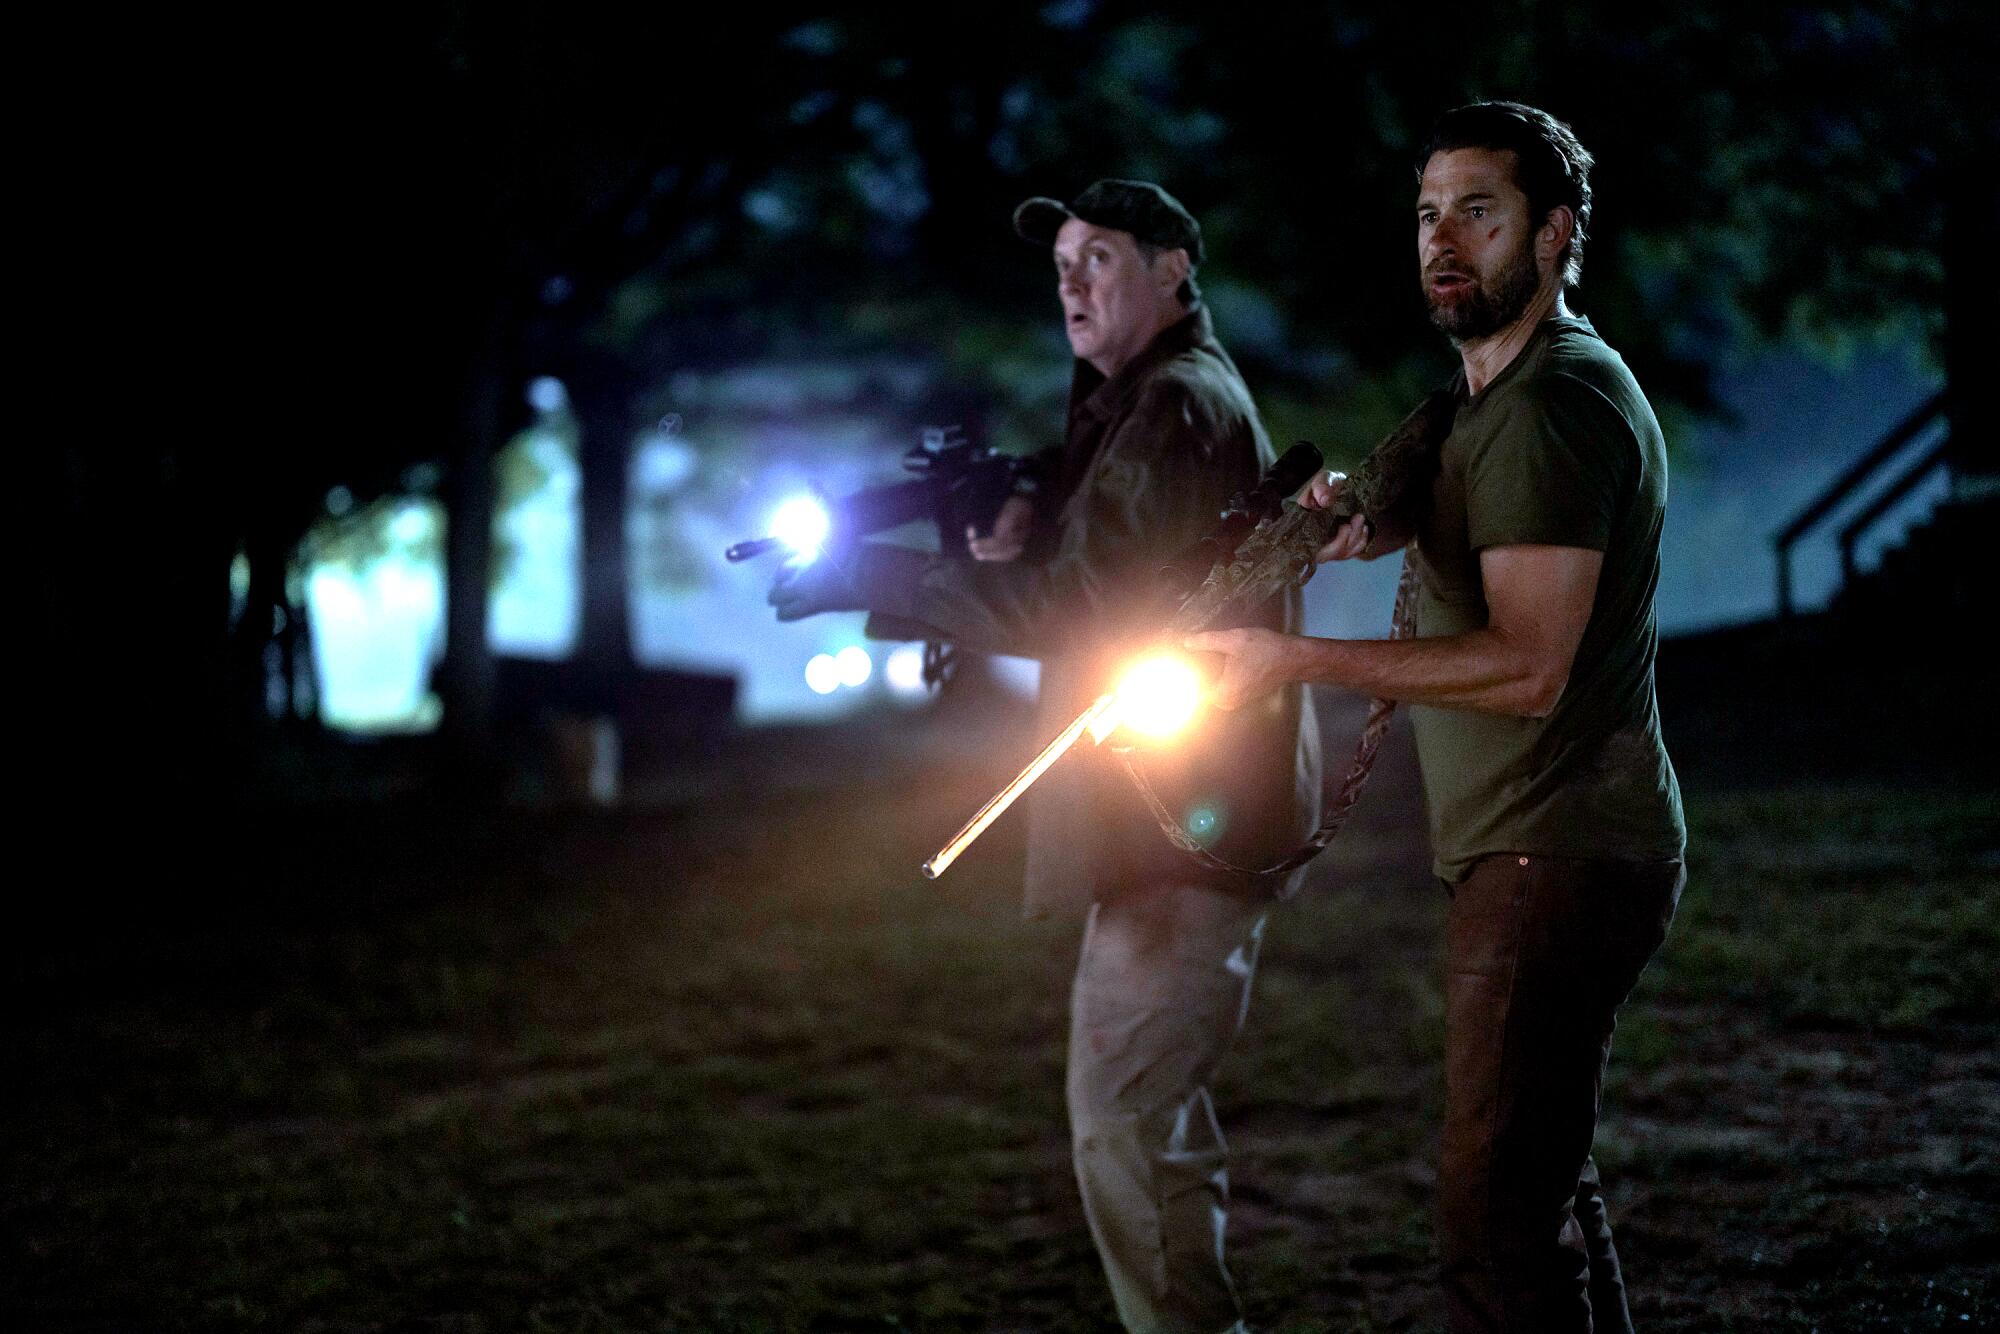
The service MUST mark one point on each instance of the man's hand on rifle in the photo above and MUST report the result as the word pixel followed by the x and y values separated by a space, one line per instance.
pixel 825 584
pixel 862 576
pixel 1352 537
pixel 1255 662
pixel 1009 537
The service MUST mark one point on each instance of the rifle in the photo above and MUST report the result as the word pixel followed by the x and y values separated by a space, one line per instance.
pixel 1261 547
pixel 957 484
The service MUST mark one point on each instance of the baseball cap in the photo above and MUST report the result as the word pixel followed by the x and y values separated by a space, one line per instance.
pixel 1139 207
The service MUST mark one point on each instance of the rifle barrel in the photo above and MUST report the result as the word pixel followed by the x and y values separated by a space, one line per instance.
pixel 743 551
pixel 1007 795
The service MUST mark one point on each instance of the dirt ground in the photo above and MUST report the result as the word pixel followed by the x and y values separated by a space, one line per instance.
pixel 720 1060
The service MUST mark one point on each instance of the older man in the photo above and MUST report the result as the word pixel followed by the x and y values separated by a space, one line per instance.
pixel 1555 815
pixel 1161 433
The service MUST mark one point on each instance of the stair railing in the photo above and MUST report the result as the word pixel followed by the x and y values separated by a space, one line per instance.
pixel 1845 485
pixel 1896 490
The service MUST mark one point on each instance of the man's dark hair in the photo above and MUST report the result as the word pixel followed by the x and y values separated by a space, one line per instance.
pixel 1188 292
pixel 1553 170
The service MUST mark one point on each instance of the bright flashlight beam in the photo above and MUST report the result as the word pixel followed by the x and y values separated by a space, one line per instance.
pixel 1159 695
pixel 854 666
pixel 1007 795
pixel 802 524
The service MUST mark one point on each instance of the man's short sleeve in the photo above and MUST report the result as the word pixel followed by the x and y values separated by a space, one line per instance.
pixel 1554 472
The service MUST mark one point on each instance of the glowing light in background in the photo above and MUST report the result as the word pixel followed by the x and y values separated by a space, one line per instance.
pixel 239 585
pixel 904 671
pixel 854 665
pixel 663 463
pixel 828 672
pixel 412 524
pixel 547 394
pixel 536 608
pixel 378 624
pixel 822 674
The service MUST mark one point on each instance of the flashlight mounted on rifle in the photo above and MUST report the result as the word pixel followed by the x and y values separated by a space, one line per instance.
pixel 954 483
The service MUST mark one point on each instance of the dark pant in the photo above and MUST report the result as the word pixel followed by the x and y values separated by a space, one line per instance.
pixel 1540 952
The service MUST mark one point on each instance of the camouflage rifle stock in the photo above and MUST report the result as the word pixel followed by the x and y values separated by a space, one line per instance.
pixel 1278 553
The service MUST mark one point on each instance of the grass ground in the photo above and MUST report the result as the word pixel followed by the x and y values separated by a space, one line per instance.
pixel 725 1063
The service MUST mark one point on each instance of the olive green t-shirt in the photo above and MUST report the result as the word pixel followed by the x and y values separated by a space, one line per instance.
pixel 1561 449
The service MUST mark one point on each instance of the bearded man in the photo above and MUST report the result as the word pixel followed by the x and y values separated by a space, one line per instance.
pixel 1555 814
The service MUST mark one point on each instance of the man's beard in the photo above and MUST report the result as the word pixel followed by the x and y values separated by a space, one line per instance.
pixel 1484 309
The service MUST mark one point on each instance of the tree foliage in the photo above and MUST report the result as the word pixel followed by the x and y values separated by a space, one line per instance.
pixel 680 191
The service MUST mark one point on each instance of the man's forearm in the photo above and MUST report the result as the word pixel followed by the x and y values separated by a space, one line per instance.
pixel 1015 607
pixel 1482 669
pixel 1021 607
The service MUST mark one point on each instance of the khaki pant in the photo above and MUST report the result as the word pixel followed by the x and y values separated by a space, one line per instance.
pixel 1162 985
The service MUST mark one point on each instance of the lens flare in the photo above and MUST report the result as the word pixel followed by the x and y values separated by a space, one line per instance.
pixel 1159 695
pixel 802 524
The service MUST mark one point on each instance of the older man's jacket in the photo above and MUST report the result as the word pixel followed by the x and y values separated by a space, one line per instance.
pixel 1150 458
